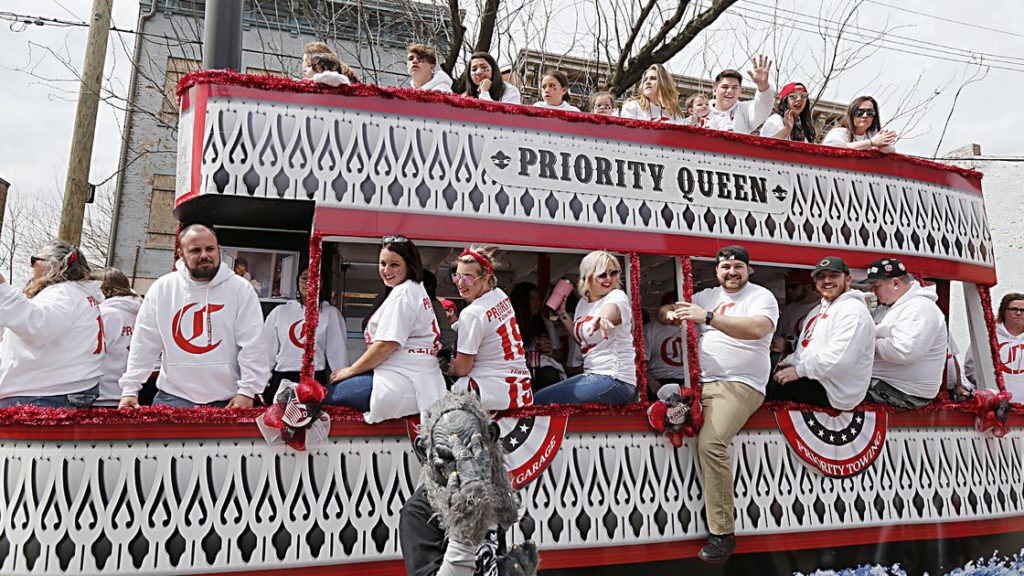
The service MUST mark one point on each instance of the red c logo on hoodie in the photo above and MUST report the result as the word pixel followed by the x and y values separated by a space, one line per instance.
pixel 295 334
pixel 198 328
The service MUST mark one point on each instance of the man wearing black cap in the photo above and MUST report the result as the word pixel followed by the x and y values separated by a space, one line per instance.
pixel 910 340
pixel 832 363
pixel 736 321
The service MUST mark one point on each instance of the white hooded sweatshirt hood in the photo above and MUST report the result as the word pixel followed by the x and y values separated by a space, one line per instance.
pixel 837 348
pixel 119 314
pixel 210 334
pixel 441 82
pixel 910 343
pixel 51 344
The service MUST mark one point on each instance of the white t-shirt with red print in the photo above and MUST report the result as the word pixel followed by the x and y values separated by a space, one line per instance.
pixel 666 350
pixel 723 357
pixel 488 330
pixel 409 380
pixel 615 355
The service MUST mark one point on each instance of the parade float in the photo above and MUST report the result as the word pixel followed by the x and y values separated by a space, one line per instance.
pixel 323 173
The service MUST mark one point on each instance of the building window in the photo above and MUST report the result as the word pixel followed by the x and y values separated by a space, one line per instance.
pixel 162 224
pixel 177 68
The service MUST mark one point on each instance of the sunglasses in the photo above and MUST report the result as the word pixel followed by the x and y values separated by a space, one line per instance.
pixel 395 239
pixel 613 274
pixel 35 259
pixel 465 279
pixel 862 112
pixel 1015 310
pixel 797 97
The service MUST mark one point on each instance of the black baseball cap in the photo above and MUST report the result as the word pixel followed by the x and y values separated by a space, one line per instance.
pixel 830 263
pixel 734 252
pixel 885 268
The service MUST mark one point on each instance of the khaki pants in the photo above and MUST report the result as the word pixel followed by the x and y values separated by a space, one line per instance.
pixel 727 406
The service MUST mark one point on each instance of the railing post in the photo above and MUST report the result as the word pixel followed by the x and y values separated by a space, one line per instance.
pixel 978 345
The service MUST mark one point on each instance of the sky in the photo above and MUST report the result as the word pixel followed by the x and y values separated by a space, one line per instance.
pixel 38 92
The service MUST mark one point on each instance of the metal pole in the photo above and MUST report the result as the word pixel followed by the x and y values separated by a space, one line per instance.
pixel 76 188
pixel 222 35
pixel 4 185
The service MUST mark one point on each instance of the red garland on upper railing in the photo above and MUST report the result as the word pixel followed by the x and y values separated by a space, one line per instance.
pixel 278 83
pixel 638 325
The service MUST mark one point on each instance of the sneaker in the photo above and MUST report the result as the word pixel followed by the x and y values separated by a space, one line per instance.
pixel 718 548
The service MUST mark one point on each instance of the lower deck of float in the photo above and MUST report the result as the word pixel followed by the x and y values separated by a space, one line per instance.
pixel 156 498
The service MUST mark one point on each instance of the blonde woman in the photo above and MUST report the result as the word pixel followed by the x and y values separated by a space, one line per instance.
pixel 658 100
pixel 490 358
pixel 603 327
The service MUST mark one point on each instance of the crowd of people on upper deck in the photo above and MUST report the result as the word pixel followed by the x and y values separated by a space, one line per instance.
pixel 788 116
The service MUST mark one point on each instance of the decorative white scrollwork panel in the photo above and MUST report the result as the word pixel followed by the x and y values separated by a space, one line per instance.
pixel 356 159
pixel 155 507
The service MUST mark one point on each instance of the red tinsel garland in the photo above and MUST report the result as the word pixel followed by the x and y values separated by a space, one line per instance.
pixel 312 312
pixel 993 341
pixel 638 325
pixel 277 83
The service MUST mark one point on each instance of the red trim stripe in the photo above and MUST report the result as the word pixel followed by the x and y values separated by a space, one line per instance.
pixel 373 223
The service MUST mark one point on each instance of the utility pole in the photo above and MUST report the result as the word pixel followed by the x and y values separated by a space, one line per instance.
pixel 76 188
pixel 222 35
pixel 4 185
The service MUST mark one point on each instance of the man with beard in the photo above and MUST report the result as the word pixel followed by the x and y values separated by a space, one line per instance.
pixel 453 525
pixel 207 324
pixel 736 321
pixel 836 349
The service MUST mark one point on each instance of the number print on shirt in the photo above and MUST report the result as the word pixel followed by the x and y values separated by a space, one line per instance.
pixel 511 341
pixel 520 392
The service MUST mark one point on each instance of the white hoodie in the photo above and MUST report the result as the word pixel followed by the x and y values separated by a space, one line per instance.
pixel 441 82
pixel 837 348
pixel 51 344
pixel 331 78
pixel 119 314
pixel 1011 357
pixel 206 357
pixel 910 343
pixel 744 117
pixel 285 346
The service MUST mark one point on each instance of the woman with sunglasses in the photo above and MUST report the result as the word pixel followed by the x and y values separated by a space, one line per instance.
pixel 861 128
pixel 490 358
pixel 51 335
pixel 398 375
pixel 603 327
pixel 792 119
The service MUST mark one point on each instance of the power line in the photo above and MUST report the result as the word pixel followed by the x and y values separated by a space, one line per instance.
pixel 933 17
pixel 892 37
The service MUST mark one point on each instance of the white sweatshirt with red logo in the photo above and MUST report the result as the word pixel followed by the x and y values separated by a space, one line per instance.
pixel 51 344
pixel 837 348
pixel 118 324
pixel 210 333
pixel 285 345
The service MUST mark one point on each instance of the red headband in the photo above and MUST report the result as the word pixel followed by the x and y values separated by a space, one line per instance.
pixel 483 262
pixel 73 255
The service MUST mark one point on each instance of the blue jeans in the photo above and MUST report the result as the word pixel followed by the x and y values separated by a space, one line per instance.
pixel 353 393
pixel 586 387
pixel 82 399
pixel 164 399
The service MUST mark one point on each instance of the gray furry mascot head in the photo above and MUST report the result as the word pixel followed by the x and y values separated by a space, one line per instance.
pixel 464 470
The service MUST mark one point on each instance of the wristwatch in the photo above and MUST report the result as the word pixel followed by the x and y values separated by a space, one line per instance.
pixel 710 316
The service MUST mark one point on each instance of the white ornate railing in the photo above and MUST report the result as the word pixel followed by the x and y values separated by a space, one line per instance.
pixel 157 506
pixel 353 158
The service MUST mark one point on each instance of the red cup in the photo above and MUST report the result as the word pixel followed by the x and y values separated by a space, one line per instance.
pixel 559 293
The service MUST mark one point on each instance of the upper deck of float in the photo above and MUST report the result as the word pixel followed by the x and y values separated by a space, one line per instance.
pixel 367 160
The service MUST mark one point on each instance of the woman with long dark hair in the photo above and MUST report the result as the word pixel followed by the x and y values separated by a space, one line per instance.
pixel 398 375
pixel 283 331
pixel 861 128
pixel 792 118
pixel 484 81
pixel 51 335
